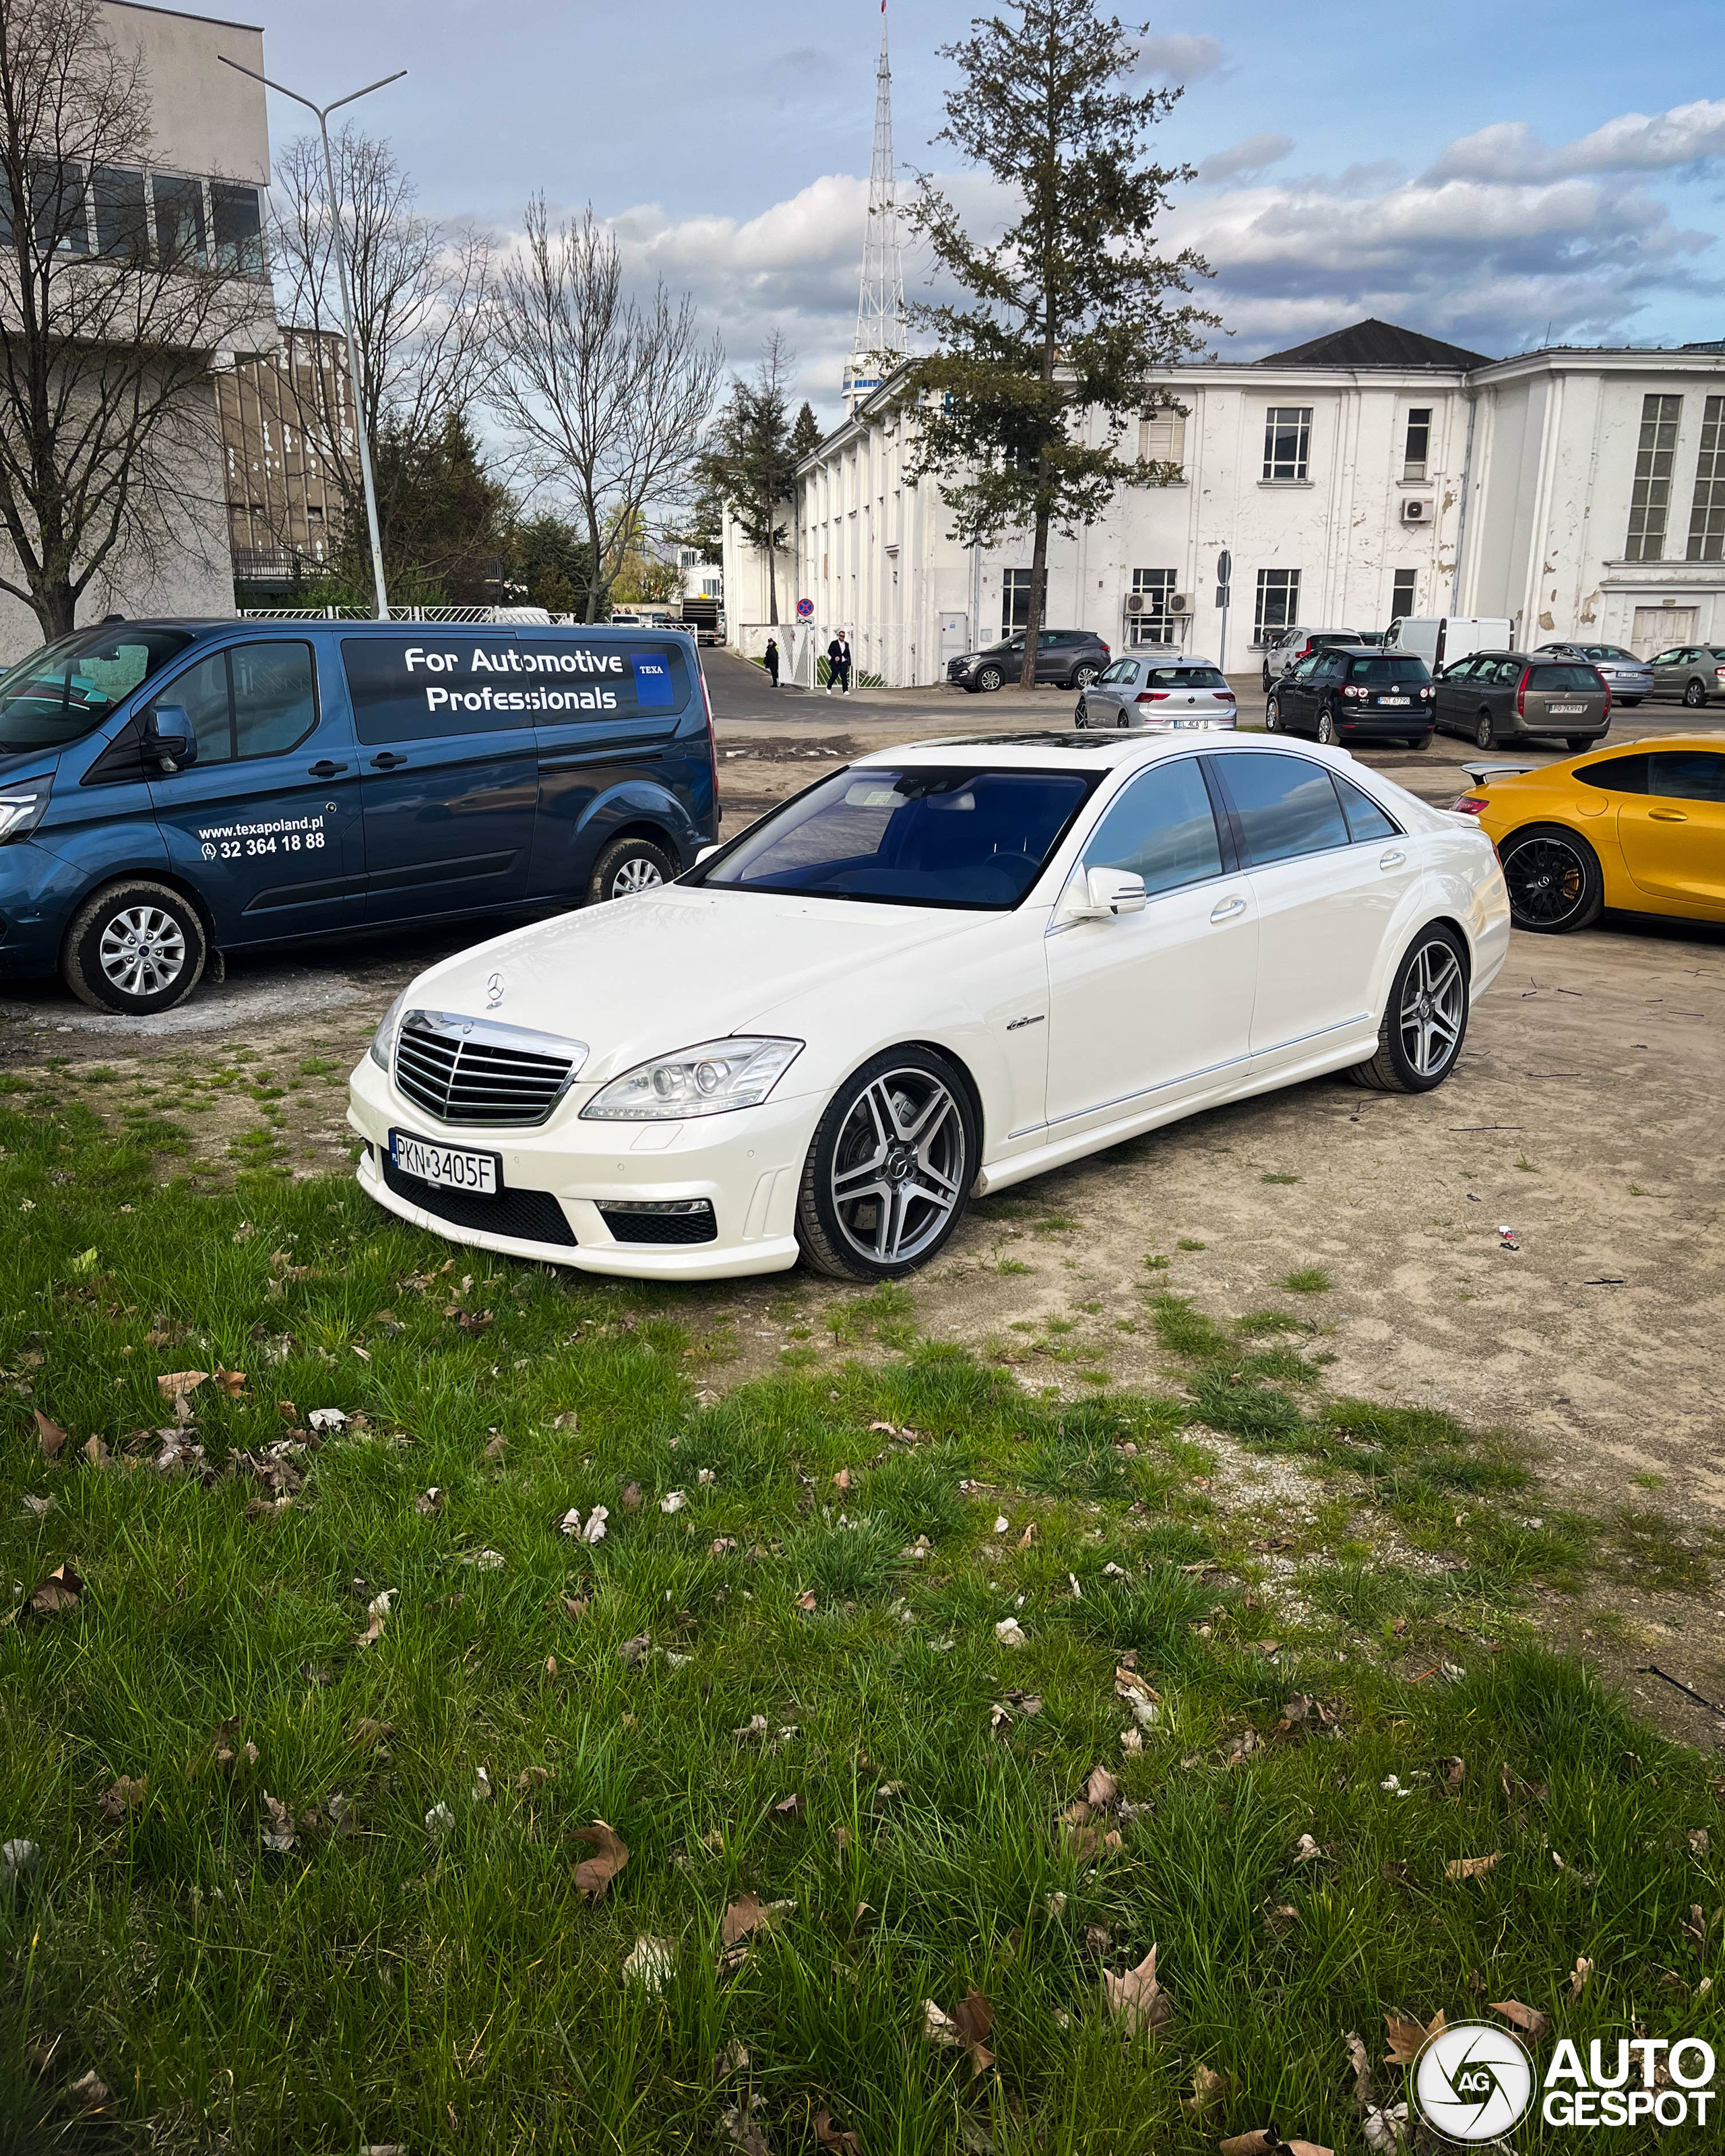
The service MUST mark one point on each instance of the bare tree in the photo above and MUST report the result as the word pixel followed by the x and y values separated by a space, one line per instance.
pixel 420 291
pixel 607 394
pixel 108 327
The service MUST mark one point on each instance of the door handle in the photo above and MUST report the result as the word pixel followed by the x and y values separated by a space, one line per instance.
pixel 387 761
pixel 1228 909
pixel 1666 816
pixel 323 768
pixel 1393 859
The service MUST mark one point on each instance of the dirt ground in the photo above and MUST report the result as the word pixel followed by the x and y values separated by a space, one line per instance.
pixel 1585 1116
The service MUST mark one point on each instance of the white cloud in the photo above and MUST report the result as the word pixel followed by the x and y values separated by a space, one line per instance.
pixel 1179 58
pixel 1687 135
pixel 1256 154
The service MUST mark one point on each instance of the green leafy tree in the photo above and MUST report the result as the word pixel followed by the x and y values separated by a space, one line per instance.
pixel 1069 311
pixel 548 563
pixel 442 518
pixel 748 462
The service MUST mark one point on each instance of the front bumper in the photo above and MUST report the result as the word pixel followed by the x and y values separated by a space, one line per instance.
pixel 747 1165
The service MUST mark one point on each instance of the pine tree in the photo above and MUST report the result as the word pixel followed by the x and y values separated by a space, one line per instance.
pixel 1069 310
pixel 806 435
pixel 749 462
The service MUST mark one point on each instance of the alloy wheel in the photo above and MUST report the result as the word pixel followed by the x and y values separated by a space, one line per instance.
pixel 1434 1005
pixel 1325 728
pixel 1695 695
pixel 1485 734
pixel 1272 715
pixel 898 1167
pixel 638 875
pixel 142 950
pixel 1546 881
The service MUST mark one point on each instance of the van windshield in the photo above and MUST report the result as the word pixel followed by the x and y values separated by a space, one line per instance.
pixel 59 693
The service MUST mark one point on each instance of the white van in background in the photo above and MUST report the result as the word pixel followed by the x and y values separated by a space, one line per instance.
pixel 1443 639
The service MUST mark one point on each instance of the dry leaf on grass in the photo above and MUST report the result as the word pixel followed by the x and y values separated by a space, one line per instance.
pixel 1137 2000
pixel 1102 1790
pixel 650 1964
pixel 1209 2092
pixel 49 1436
pixel 674 1501
pixel 18 1856
pixel 89 2091
pixel 1010 1633
pixel 39 1508
pixel 430 1502
pixel 1306 1850
pixel 496 1448
pixel 841 1481
pixel 438 1821
pixel 1406 2036
pixel 750 1915
pixel 828 2136
pixel 278 1823
pixel 595 1873
pixel 61 1591
pixel 97 1453
pixel 378 1610
pixel 965 2030
pixel 742 2133
pixel 1471 1867
pixel 124 1797
pixel 1144 1702
pixel 1579 1975
pixel 1265 2141
pixel 181 1384
pixel 1527 2018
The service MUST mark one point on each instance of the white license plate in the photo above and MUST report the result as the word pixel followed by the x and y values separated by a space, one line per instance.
pixel 1567 710
pixel 452 1167
pixel 1188 722
pixel 1395 699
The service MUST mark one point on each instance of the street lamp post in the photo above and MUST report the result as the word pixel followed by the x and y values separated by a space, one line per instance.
pixel 323 112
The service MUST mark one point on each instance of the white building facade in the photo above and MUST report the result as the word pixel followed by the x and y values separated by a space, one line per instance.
pixel 1371 474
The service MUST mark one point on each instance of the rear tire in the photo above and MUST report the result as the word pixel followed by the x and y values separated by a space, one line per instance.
pixel 1419 740
pixel 906 1113
pixel 1327 729
pixel 627 867
pixel 1082 676
pixel 1485 734
pixel 1695 695
pixel 1272 715
pixel 134 949
pixel 1555 884
pixel 1576 742
pixel 1425 1019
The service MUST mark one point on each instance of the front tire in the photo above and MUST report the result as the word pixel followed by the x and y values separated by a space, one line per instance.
pixel 889 1173
pixel 136 948
pixel 1424 1020
pixel 1555 884
pixel 1081 717
pixel 989 680
pixel 627 867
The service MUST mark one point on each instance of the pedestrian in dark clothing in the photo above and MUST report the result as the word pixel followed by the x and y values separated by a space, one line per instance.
pixel 839 659
pixel 773 660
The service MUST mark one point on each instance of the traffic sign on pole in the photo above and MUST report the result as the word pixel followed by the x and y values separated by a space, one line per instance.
pixel 1224 567
pixel 805 609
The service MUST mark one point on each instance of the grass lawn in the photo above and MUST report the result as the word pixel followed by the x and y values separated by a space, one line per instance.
pixel 304 1745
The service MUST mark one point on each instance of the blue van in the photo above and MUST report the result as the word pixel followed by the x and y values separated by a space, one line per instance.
pixel 171 790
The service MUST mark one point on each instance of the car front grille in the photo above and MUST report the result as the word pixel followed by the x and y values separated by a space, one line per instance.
pixel 470 1071
pixel 524 1216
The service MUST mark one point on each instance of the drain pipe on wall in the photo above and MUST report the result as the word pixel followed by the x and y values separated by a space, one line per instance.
pixel 1462 516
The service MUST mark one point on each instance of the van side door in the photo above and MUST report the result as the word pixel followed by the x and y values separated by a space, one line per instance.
pixel 264 824
pixel 449 770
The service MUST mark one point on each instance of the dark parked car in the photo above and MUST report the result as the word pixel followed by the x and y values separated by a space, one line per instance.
pixel 1358 694
pixel 1496 696
pixel 1068 658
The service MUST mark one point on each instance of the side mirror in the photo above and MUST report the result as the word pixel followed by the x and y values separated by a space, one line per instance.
pixel 705 854
pixel 1099 894
pixel 168 739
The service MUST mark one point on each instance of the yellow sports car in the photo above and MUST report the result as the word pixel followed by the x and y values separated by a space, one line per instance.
pixel 1640 827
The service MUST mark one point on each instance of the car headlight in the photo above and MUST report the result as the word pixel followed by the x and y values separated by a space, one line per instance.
pixel 707 1080
pixel 20 813
pixel 383 1048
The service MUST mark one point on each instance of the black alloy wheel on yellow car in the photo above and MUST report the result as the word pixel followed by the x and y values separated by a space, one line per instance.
pixel 1554 880
pixel 1425 1019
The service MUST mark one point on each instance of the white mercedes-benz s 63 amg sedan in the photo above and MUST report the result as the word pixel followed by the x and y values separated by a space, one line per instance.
pixel 938 971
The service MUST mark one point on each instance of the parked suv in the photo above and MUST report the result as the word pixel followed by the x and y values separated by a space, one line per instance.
pixel 1069 658
pixel 1363 693
pixel 1695 673
pixel 173 789
pixel 1628 678
pixel 1292 644
pixel 1497 696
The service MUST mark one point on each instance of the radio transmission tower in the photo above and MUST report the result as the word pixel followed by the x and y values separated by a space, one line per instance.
pixel 880 333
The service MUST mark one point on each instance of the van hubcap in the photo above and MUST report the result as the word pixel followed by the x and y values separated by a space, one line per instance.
pixel 635 875
pixel 142 950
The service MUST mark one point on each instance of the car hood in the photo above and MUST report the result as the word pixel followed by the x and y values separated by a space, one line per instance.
pixel 17 765
pixel 644 976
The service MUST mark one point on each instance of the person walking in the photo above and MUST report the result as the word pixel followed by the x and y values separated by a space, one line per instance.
pixel 839 660
pixel 773 660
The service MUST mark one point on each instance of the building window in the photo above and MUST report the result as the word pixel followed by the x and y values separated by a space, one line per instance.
pixel 239 220
pixel 179 219
pixel 1287 440
pixel 1162 437
pixel 1652 498
pixel 1401 594
pixel 1147 619
pixel 1707 518
pixel 122 216
pixel 1278 605
pixel 1418 448
pixel 1014 600
pixel 57 211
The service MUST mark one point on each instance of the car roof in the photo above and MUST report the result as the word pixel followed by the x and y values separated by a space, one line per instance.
pixel 1081 751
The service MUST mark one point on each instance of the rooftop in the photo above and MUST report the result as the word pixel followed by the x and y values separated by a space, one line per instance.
pixel 1373 343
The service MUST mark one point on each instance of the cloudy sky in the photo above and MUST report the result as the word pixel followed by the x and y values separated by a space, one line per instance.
pixel 1500 176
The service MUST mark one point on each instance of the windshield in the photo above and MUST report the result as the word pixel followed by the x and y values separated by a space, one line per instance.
pixel 964 838
pixel 61 691
pixel 1386 669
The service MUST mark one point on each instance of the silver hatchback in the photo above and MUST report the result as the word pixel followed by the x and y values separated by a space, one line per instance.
pixel 1158 692
pixel 1628 678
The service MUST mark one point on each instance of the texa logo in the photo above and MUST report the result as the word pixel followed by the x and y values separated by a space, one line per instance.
pixel 1473 2082
pixel 494 992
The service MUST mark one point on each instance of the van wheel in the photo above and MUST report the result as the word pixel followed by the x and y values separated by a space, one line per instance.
pixel 627 866
pixel 135 948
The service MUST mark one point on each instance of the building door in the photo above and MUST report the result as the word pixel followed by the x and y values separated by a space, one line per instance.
pixel 1656 628
pixel 955 636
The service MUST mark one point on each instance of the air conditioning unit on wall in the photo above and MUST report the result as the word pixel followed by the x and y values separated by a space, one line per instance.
pixel 1419 508
pixel 1179 603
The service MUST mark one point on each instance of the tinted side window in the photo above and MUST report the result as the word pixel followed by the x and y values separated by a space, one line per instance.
pixel 275 697
pixel 1366 820
pixel 1686 774
pixel 1286 806
pixel 1162 828
pixel 409 688
pixel 203 690
pixel 1617 774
